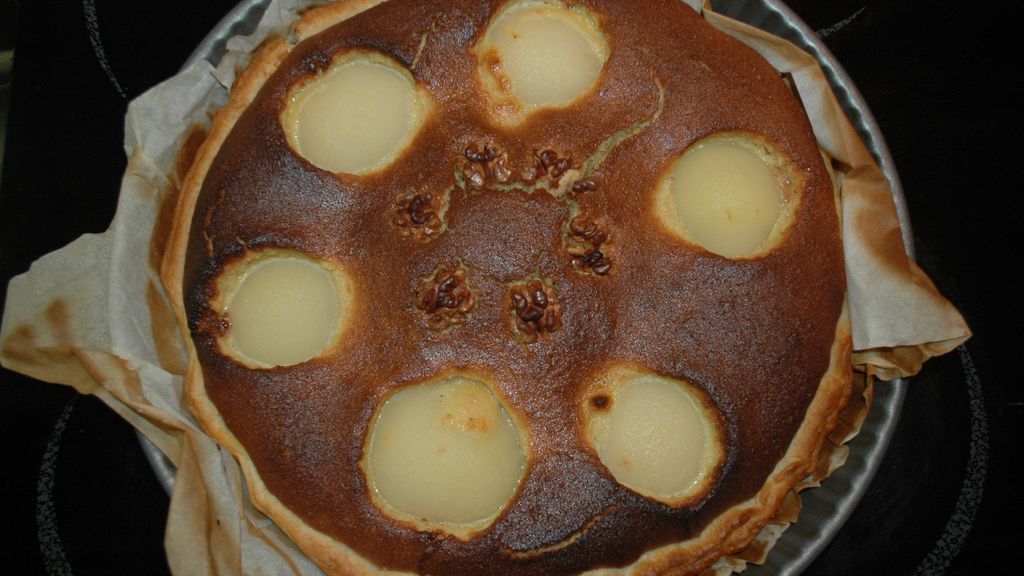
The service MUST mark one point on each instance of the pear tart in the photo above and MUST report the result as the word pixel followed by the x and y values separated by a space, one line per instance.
pixel 513 287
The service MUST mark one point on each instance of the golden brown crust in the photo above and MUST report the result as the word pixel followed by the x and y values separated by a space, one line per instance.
pixel 777 369
pixel 319 18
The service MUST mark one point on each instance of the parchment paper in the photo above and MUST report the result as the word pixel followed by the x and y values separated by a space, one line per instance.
pixel 93 315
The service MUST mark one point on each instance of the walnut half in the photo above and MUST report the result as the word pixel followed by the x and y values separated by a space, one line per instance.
pixel 446 297
pixel 533 309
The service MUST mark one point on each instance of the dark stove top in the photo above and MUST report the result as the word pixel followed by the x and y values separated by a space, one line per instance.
pixel 941 82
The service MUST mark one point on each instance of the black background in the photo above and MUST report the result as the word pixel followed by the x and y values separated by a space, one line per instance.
pixel 942 82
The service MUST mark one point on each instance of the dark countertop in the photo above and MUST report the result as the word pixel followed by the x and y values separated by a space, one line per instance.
pixel 82 498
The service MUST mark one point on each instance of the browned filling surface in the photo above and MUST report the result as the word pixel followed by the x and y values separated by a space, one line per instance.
pixel 447 247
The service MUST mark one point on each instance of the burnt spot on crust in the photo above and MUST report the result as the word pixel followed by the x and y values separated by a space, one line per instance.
pixel 601 401
pixel 212 324
pixel 533 309
pixel 446 297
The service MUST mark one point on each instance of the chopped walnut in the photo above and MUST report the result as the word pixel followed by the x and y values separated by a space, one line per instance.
pixel 484 165
pixel 593 260
pixel 446 297
pixel 561 166
pixel 589 236
pixel 585 230
pixel 562 174
pixel 418 215
pixel 584 185
pixel 531 173
pixel 549 163
pixel 547 159
pixel 534 310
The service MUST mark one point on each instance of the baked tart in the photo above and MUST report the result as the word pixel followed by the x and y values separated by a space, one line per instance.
pixel 521 287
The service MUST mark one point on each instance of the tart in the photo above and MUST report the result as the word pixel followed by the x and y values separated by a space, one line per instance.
pixel 513 287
